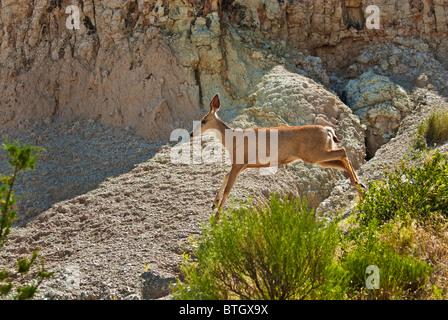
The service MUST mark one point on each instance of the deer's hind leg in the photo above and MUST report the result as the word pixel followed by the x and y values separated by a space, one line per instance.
pixel 343 163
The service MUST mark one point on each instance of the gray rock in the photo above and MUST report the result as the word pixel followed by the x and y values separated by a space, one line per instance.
pixel 380 104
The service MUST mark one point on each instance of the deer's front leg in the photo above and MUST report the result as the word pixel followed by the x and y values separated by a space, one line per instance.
pixel 219 194
pixel 233 174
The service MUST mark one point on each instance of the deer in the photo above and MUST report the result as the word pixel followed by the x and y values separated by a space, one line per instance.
pixel 313 144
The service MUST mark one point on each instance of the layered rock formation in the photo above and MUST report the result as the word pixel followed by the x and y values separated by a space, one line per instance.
pixel 106 70
pixel 151 64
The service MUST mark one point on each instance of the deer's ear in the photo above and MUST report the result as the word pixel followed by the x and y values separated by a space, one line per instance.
pixel 214 105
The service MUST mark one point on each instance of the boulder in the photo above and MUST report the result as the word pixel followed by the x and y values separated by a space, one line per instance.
pixel 380 104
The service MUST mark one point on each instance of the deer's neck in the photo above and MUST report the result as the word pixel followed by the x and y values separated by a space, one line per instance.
pixel 223 129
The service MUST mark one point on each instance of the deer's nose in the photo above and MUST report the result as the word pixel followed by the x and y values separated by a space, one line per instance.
pixel 196 131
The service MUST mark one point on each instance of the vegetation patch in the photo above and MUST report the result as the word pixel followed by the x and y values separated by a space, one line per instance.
pixel 274 251
pixel 418 192
pixel 433 131
pixel 394 246
pixel 23 283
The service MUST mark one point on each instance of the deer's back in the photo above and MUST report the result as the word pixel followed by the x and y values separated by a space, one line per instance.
pixel 291 143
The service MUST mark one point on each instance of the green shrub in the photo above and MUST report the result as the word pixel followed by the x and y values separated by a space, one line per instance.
pixel 434 130
pixel 278 251
pixel 418 192
pixel 20 158
pixel 401 275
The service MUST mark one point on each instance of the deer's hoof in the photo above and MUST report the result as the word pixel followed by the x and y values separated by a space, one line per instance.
pixel 213 206
pixel 361 185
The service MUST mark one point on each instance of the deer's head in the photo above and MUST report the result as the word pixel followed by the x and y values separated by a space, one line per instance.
pixel 210 120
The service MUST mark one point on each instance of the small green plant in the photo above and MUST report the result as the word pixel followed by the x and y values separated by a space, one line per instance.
pixel 20 158
pixel 400 276
pixel 433 131
pixel 277 251
pixel 417 192
pixel 420 142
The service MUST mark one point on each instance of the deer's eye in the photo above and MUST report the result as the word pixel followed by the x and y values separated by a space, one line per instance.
pixel 203 121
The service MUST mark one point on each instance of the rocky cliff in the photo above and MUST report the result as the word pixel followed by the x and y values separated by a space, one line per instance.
pixel 151 65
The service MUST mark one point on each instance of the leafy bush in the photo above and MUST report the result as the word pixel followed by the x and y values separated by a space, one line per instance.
pixel 418 192
pixel 278 251
pixel 20 158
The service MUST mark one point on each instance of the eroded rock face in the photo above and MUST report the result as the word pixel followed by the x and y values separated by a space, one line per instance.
pixel 380 104
pixel 151 64
pixel 408 62
pixel 116 69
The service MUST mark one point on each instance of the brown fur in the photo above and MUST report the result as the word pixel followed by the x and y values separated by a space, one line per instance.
pixel 311 143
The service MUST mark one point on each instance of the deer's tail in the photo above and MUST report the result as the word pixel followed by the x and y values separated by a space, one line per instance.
pixel 333 135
